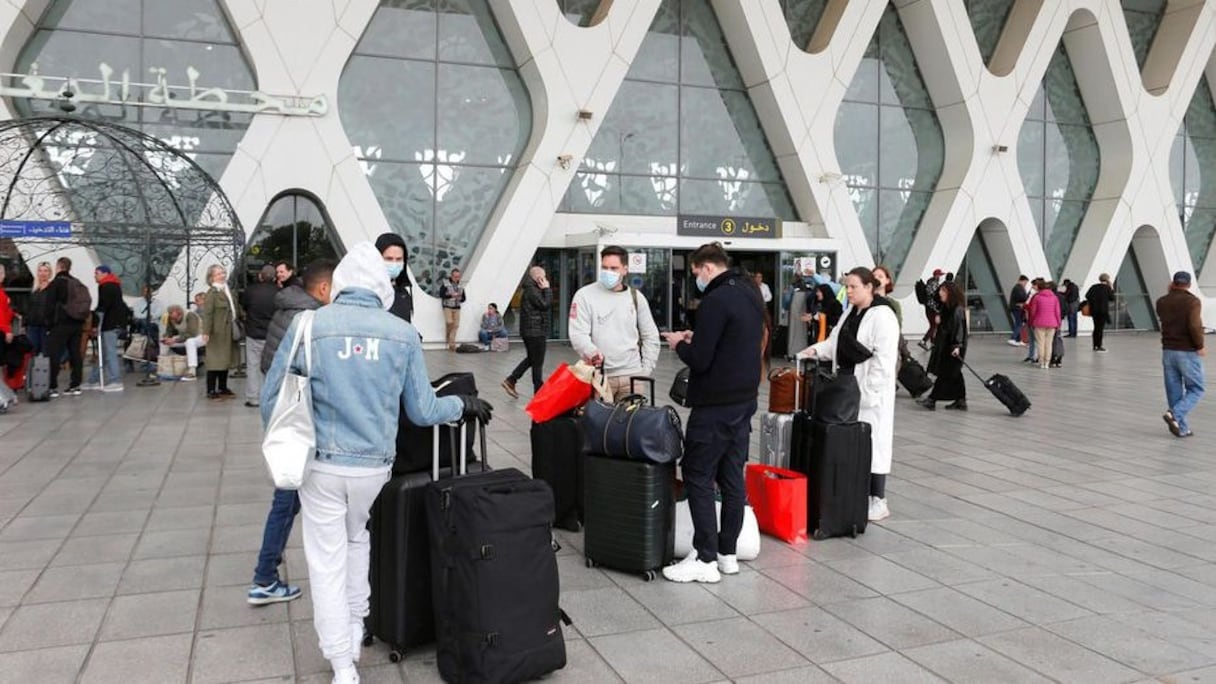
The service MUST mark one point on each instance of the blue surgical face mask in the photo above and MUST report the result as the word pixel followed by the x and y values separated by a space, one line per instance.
pixel 702 284
pixel 610 279
pixel 394 268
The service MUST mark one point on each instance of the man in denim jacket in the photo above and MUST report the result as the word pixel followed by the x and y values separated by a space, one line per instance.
pixel 366 365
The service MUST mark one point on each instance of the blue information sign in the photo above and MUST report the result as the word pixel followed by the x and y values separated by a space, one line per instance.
pixel 35 229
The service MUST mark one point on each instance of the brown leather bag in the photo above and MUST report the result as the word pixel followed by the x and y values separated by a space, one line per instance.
pixel 783 385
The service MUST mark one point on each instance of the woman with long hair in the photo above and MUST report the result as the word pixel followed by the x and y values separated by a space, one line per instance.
pixel 866 345
pixel 220 312
pixel 38 308
pixel 949 350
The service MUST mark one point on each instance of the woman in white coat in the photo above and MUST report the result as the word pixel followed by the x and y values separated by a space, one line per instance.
pixel 866 344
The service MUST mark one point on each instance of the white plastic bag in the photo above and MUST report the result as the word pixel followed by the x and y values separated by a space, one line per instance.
pixel 291 439
pixel 746 548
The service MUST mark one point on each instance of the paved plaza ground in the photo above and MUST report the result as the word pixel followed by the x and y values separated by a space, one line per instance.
pixel 1074 544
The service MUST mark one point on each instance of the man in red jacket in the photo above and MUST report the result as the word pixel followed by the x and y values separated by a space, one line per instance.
pixel 6 318
pixel 1182 352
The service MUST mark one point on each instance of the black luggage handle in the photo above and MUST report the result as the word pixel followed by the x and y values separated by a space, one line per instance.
pixel 459 430
pixel 634 380
pixel 977 375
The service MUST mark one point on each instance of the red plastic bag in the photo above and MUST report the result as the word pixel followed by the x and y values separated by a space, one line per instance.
pixel 562 392
pixel 778 496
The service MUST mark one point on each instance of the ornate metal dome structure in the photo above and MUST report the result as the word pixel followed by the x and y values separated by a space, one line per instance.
pixel 145 208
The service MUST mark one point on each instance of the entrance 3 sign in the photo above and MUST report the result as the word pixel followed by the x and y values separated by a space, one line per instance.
pixel 728 226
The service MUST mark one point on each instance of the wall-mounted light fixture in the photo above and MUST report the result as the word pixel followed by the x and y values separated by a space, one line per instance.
pixel 998 149
pixel 585 114
pixel 563 160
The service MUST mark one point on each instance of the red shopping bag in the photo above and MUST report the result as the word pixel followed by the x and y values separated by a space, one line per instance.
pixel 562 392
pixel 778 496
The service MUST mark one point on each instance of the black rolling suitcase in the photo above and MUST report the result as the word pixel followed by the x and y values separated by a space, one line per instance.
pixel 557 458
pixel 628 514
pixel 414 442
pixel 495 580
pixel 1005 391
pixel 401 613
pixel 839 479
pixel 913 376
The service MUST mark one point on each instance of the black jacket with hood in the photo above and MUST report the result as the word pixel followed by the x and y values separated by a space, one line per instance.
pixel 287 303
pixel 534 309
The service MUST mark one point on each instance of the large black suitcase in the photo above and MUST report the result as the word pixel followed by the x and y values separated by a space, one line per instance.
pixel 628 514
pixel 557 458
pixel 495 580
pixel 400 611
pixel 838 483
pixel 913 376
pixel 1005 391
pixel 414 443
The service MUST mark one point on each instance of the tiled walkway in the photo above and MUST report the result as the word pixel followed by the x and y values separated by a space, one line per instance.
pixel 1074 544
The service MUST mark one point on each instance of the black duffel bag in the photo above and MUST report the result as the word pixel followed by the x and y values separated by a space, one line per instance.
pixel 836 397
pixel 414 443
pixel 634 429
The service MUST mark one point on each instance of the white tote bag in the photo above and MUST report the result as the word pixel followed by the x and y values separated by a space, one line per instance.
pixel 747 547
pixel 291 439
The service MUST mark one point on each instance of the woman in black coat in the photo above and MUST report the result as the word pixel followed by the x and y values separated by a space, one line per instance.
pixel 827 314
pixel 534 309
pixel 949 350
pixel 1098 297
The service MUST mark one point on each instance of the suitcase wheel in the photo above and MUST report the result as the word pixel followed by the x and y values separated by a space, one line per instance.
pixel 368 640
pixel 819 535
pixel 395 656
pixel 853 532
pixel 649 575
pixel 590 563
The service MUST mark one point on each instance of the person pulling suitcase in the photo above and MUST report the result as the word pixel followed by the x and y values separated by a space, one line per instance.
pixel 368 364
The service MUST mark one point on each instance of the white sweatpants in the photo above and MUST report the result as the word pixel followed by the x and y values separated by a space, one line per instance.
pixel 253 369
pixel 335 510
pixel 192 346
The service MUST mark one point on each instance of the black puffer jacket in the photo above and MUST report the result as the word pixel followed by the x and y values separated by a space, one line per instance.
pixel 534 309
pixel 287 303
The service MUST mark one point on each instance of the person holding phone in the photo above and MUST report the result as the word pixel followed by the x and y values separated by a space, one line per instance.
pixel 534 315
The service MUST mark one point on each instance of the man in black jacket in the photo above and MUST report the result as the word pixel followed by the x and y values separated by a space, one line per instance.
pixel 534 312
pixel 115 316
pixel 723 358
pixel 65 329
pixel 258 302
pixel 1018 297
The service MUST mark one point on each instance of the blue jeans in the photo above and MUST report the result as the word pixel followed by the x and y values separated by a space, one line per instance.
pixel 485 335
pixel 1183 383
pixel 1019 320
pixel 37 337
pixel 109 359
pixel 283 510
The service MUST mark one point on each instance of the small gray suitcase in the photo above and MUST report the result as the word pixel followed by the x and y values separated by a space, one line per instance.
pixel 777 430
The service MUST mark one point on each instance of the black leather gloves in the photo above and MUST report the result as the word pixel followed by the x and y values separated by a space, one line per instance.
pixel 477 409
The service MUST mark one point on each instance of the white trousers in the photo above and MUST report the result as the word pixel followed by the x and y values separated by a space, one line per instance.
pixel 192 346
pixel 335 510
pixel 253 369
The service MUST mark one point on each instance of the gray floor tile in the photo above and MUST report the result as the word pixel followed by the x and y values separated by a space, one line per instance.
pixel 118 522
pixel 153 660
pixel 226 607
pixel 607 610
pixel 802 675
pixel 882 575
pixel 884 667
pixel 185 518
pixel 42 665
pixel 632 657
pixel 225 655
pixel 1056 657
pixel 819 583
pixel 1130 645
pixel 27 527
pixel 162 574
pixel 231 569
pixel 676 604
pixel 737 647
pixel 22 555
pixel 76 582
pixel 239 539
pixel 966 662
pixel 818 636
pixel 752 593
pixel 891 623
pixel 959 612
pixel 52 624
pixel 171 543
pixel 1025 602
pixel 14 584
pixel 583 664
pixel 145 615
pixel 112 548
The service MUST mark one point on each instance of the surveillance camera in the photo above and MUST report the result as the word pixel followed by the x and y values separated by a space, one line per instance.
pixel 563 160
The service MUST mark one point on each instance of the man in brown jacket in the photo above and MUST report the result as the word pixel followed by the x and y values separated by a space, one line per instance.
pixel 1182 352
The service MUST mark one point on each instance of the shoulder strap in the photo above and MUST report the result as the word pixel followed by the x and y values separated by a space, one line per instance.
pixel 637 317
pixel 303 336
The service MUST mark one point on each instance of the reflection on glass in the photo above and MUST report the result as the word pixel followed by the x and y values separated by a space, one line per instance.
pixel 802 17
pixel 437 145
pixel 1193 174
pixel 1143 19
pixel 987 20
pixel 889 143
pixel 293 229
pixel 652 155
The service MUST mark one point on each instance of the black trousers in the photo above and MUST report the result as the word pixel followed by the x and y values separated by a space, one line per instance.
pixel 217 381
pixel 1099 330
pixel 715 452
pixel 65 336
pixel 535 358
pixel 949 384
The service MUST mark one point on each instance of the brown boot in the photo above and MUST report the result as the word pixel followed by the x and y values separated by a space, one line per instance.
pixel 508 386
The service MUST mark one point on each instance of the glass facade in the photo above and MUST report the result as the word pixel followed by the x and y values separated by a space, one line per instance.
pixel 584 12
pixel 889 143
pixel 802 16
pixel 986 303
pixel 1134 306
pixel 987 21
pixel 1058 160
pixel 1143 19
pixel 189 40
pixel 294 228
pixel 1193 174
pixel 437 115
pixel 681 135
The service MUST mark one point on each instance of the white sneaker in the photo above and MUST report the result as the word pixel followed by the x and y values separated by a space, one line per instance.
pixel 878 509
pixel 346 675
pixel 116 387
pixel 692 569
pixel 91 386
pixel 1014 343
pixel 728 564
pixel 356 640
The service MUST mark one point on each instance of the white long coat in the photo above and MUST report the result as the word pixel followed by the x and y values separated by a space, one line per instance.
pixel 878 332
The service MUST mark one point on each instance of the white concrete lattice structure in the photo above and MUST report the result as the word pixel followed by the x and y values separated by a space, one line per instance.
pixel 301 48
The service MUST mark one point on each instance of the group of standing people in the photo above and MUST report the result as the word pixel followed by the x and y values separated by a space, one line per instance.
pixel 1044 307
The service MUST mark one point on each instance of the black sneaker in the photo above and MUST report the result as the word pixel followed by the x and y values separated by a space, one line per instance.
pixel 960 405
pixel 75 391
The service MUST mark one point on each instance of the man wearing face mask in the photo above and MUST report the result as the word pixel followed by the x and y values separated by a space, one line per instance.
pixel 611 324
pixel 392 247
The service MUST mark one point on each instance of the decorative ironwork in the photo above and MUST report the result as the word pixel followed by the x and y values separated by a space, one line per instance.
pixel 145 208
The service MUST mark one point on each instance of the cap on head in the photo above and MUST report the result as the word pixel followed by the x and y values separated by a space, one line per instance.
pixel 938 272
pixel 1182 278
pixel 106 269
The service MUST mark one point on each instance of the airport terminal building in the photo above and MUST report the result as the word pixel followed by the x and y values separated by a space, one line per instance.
pixel 989 138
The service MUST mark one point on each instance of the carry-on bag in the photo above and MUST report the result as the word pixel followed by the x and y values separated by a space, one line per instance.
pixel 778 495
pixel 1005 391
pixel 787 389
pixel 39 377
pixel 414 442
pixel 634 428
pixel 628 514
pixel 494 576
pixel 401 609
pixel 838 483
pixel 557 458
pixel 913 376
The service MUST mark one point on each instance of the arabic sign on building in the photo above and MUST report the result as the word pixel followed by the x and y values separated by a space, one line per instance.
pixel 728 226
pixel 38 229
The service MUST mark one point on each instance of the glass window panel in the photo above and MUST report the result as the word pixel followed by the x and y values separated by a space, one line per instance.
pixel 985 298
pixel 1064 220
pixel 404 193
pixel 467 33
pixel 864 86
pixel 372 115
pixel 856 139
pixel 219 66
pixel 1143 18
pixel 910 150
pixel 731 198
pixel 1199 162
pixel 736 148
pixel 900 77
pixel 1200 227
pixel 67 53
pixel 641 130
pixel 465 198
pixel 987 20
pixel 802 17
pixel 593 193
pixel 191 19
pixel 580 12
pixel 1064 103
pixel 1038 106
pixel 865 201
pixel 486 114
pixel 401 28
pixel 658 58
pixel 1177 151
pixel 1030 157
pixel 899 218
pixel 704 56
pixel 650 196
pixel 109 16
pixel 1075 150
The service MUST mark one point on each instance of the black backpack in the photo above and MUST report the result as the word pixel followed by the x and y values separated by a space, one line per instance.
pixel 79 303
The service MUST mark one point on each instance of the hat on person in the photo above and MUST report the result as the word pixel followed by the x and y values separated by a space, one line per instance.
pixel 1182 278
pixel 106 269
pixel 363 267
pixel 937 272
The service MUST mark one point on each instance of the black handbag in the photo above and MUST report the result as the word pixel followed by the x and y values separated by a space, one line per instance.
pixel 632 429
pixel 836 397
pixel 679 387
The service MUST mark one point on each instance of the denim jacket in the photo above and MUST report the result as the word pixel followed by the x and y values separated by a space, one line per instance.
pixel 367 364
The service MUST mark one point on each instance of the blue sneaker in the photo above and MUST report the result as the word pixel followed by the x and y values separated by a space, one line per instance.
pixel 273 593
